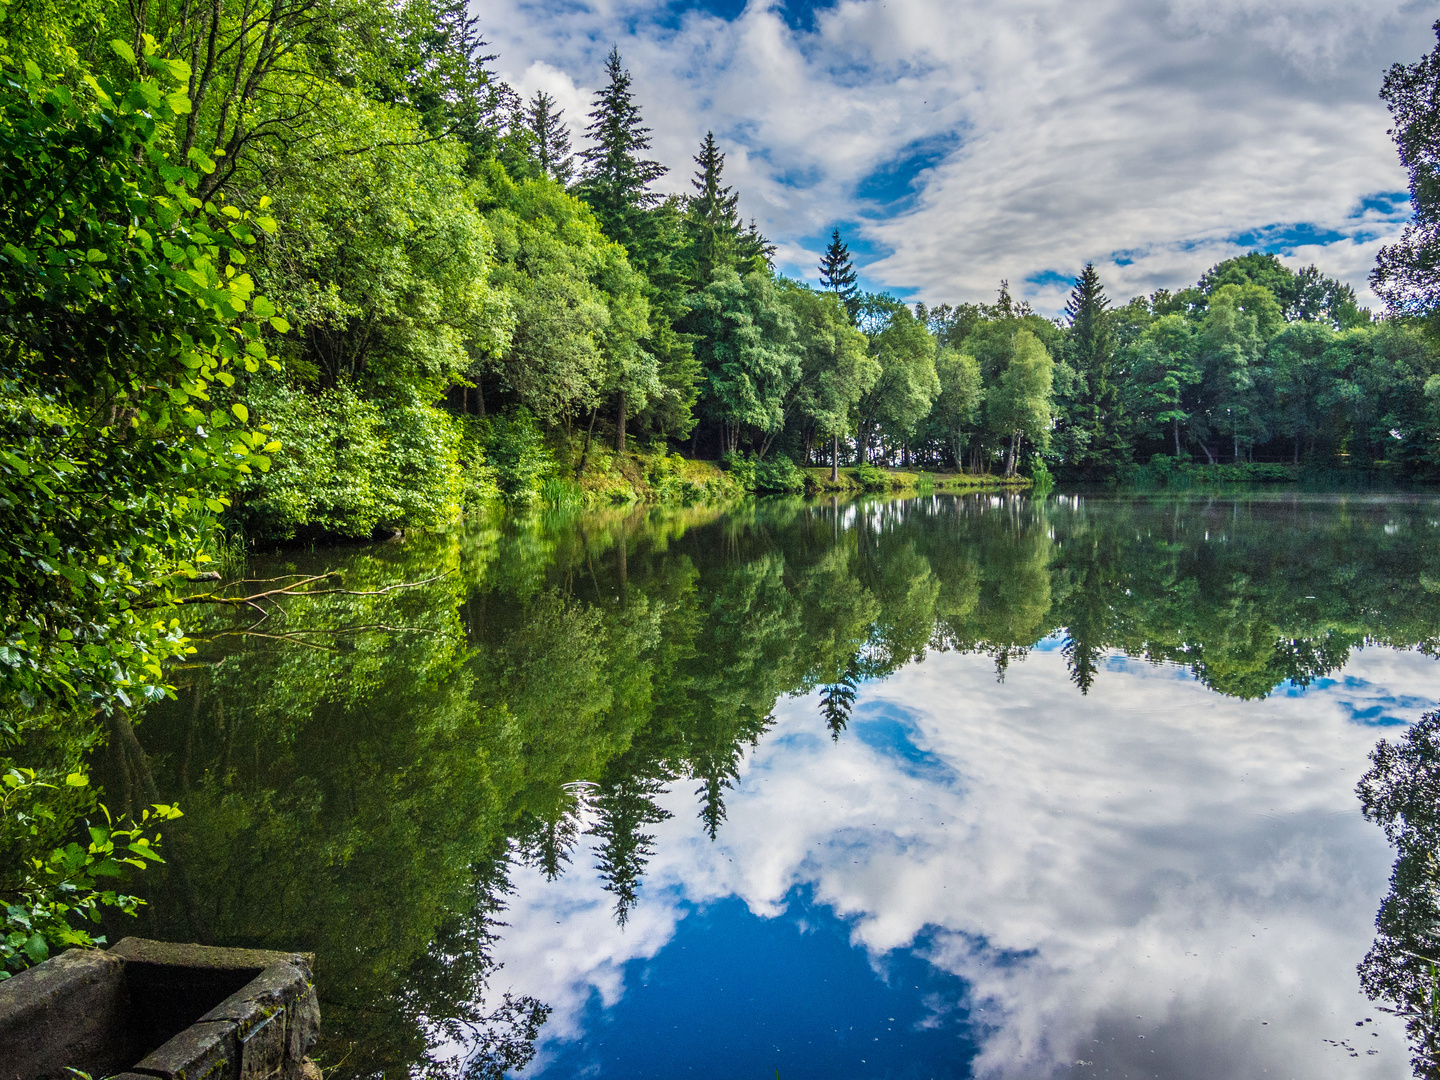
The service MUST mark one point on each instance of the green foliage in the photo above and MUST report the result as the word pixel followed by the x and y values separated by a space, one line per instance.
pixel 579 308
pixel 778 475
pixel 120 432
pixel 870 478
pixel 906 383
pixel 352 465
pixel 746 335
pixel 50 898
pixel 515 449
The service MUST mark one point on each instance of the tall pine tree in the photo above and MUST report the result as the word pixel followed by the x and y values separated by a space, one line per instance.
pixel 550 137
pixel 1090 349
pixel 615 180
pixel 711 214
pixel 837 273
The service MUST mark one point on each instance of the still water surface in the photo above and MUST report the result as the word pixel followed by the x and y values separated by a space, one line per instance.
pixel 947 787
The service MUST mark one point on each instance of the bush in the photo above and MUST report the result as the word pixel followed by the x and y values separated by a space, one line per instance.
pixel 348 465
pixel 871 478
pixel 741 466
pixel 779 475
pixel 516 450
pixel 1041 476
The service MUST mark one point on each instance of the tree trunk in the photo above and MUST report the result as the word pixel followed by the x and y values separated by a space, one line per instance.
pixel 585 453
pixel 620 425
pixel 1176 422
pixel 835 460
pixel 480 394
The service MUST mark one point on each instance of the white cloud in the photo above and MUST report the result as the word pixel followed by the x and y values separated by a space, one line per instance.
pixel 1077 131
pixel 1166 862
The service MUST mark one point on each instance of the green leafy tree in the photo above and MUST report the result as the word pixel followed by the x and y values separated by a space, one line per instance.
pixel 957 408
pixel 745 339
pixel 1407 273
pixel 1162 377
pixel 579 308
pixel 836 369
pixel 906 385
pixel 128 328
pixel 1238 322
pixel 1021 403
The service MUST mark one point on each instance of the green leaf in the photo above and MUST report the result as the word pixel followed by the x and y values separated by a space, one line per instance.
pixel 77 780
pixel 122 50
pixel 241 412
pixel 36 948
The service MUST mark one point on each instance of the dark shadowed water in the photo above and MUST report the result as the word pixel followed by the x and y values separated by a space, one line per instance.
pixel 948 787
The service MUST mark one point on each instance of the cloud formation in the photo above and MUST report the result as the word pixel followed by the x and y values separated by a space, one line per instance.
pixel 1148 875
pixel 960 142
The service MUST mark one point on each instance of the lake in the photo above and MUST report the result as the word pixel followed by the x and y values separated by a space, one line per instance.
pixel 950 786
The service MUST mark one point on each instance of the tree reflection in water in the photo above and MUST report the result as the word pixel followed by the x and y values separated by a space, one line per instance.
pixel 367 796
pixel 1401 793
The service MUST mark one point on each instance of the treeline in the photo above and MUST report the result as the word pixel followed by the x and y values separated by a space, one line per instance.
pixel 459 304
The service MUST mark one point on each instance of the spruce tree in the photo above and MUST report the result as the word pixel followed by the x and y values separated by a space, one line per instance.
pixel 615 180
pixel 837 273
pixel 1090 348
pixel 754 246
pixel 711 214
pixel 551 137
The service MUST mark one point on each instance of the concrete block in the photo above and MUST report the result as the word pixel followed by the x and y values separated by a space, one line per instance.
pixel 71 1010
pixel 200 1052
pixel 304 1023
pixel 263 1048
pixel 179 954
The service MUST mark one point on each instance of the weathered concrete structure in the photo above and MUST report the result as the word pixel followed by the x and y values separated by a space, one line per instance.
pixel 151 1009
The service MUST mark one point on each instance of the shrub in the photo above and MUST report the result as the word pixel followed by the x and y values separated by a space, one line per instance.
pixel 778 475
pixel 1040 475
pixel 348 465
pixel 741 466
pixel 871 478
pixel 516 450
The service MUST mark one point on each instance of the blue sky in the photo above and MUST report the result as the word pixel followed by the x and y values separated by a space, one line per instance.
pixel 958 142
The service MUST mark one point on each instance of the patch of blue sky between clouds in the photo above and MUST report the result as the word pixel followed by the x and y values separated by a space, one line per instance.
pixel 1362 701
pixel 1050 278
pixel 891 729
pixel 893 187
pixel 798 15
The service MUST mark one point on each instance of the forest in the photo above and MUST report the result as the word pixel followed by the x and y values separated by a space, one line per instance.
pixel 301 272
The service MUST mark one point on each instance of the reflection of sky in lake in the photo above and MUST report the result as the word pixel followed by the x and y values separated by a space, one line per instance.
pixel 1151 880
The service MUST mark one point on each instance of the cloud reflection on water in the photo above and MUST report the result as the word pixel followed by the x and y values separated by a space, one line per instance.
pixel 1152 879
